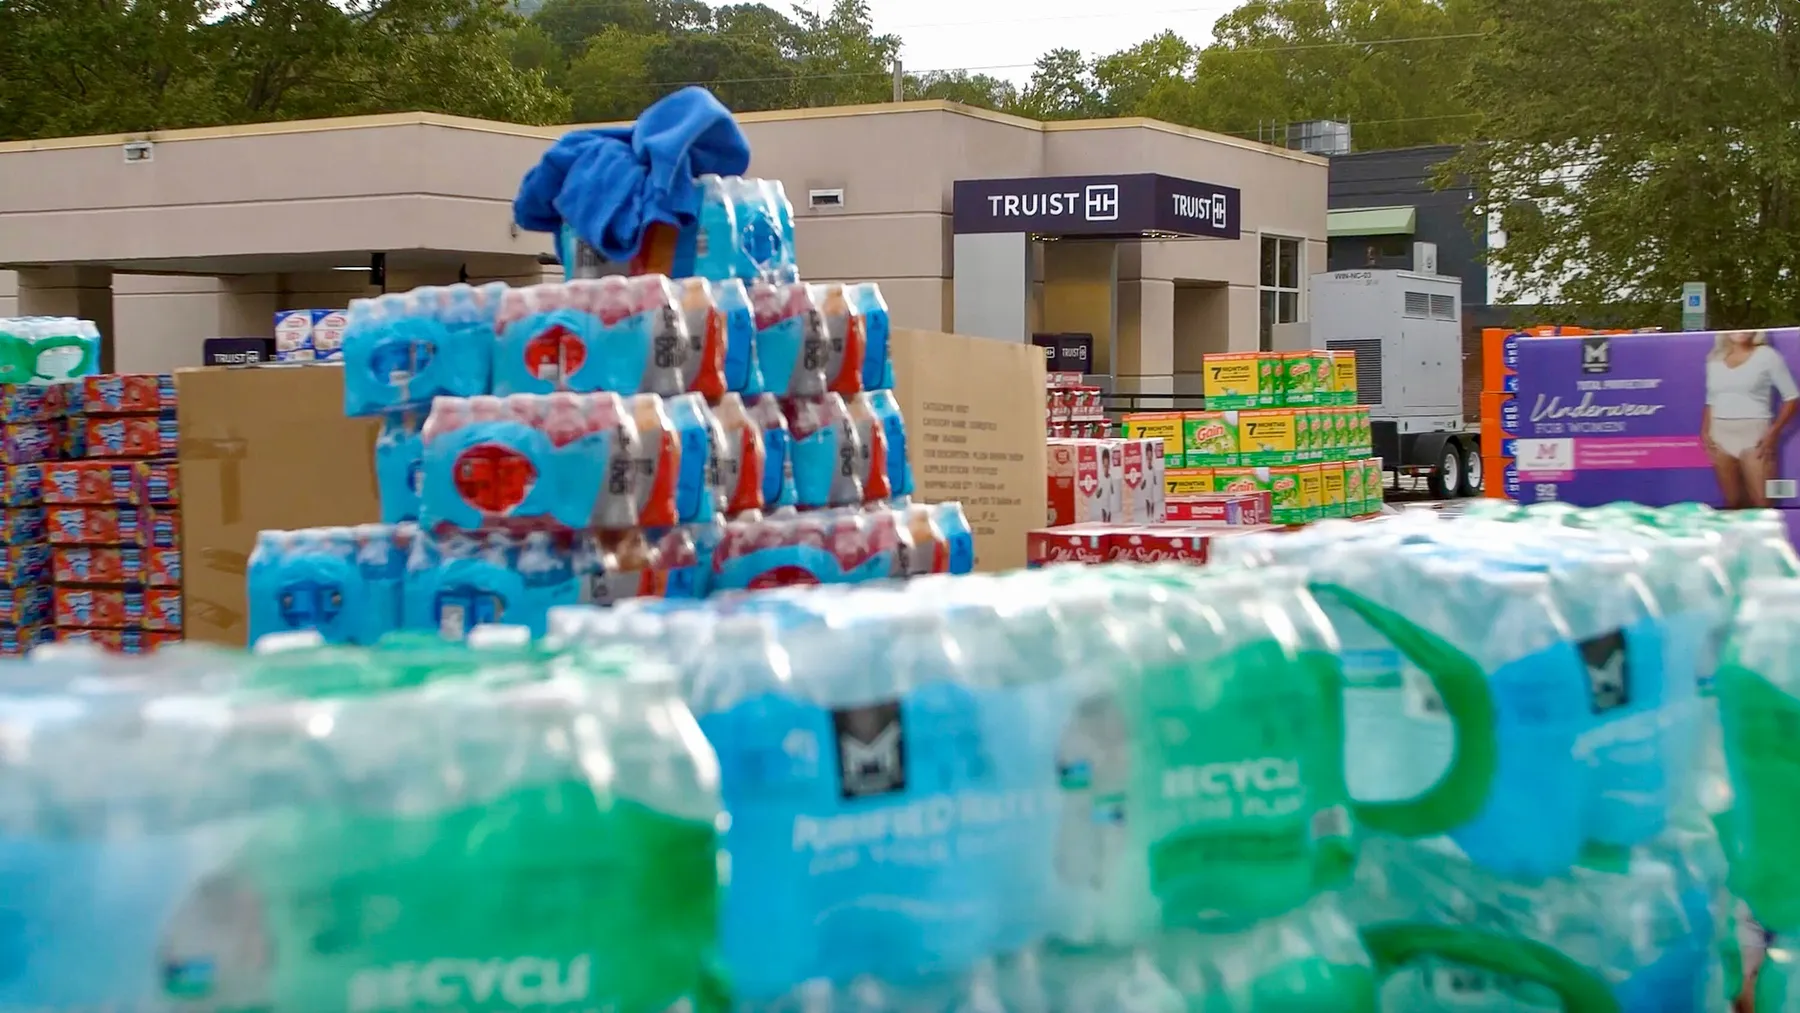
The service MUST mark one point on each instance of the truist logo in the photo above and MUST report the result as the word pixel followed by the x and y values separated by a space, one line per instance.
pixel 1098 202
pixel 1551 408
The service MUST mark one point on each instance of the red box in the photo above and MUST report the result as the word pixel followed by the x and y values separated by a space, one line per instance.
pixel 93 525
pixel 95 483
pixel 93 564
pixel 122 393
pixel 126 641
pixel 1084 482
pixel 123 436
pixel 164 484
pixel 1232 508
pixel 1160 544
pixel 1077 543
pixel 119 608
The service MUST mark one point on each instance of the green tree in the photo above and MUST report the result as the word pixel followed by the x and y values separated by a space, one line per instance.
pixel 1390 67
pixel 94 66
pixel 571 23
pixel 841 59
pixel 101 66
pixel 1628 149
pixel 610 80
pixel 1062 87
pixel 1139 80
pixel 961 86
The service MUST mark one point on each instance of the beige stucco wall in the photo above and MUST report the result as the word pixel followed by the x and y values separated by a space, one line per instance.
pixel 253 218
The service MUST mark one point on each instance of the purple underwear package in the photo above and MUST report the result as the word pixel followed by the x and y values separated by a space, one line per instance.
pixel 1702 416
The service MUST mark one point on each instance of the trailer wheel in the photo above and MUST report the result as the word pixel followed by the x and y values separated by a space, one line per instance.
pixel 1472 475
pixel 1445 478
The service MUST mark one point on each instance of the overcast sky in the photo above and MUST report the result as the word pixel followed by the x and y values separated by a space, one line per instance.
pixel 1003 37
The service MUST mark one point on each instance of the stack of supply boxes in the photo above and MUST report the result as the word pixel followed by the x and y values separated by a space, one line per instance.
pixel 310 335
pixel 1285 424
pixel 31 433
pixel 1072 409
pixel 1500 421
pixel 112 515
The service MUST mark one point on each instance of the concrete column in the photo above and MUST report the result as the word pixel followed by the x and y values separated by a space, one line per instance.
pixel 992 285
pixel 83 292
pixel 1144 361
pixel 247 306
pixel 9 293
pixel 1081 296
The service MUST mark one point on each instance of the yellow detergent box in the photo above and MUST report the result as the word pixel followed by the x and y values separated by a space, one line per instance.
pixel 1188 481
pixel 1332 502
pixel 1267 436
pixel 1235 380
pixel 1343 377
pixel 1164 426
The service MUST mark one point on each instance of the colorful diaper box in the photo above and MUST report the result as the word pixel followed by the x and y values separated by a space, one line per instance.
pixel 31 442
pixel 25 564
pixel 120 608
pixel 1658 419
pixel 30 402
pixel 94 525
pixel 21 485
pixel 19 640
pixel 123 641
pixel 123 435
pixel 97 564
pixel 24 605
pixel 122 394
pixel 95 483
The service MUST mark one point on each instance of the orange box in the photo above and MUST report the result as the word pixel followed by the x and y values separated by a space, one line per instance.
pixel 1499 422
pixel 1499 478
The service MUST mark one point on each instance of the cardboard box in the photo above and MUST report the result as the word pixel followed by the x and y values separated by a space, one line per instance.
pixel 95 483
pixel 1141 476
pixel 1620 417
pixel 31 442
pixel 1343 378
pixel 1081 484
pixel 1499 478
pixel 1267 437
pixel 21 484
pixel 119 608
pixel 1078 543
pixel 163 484
pixel 86 564
pixel 1499 423
pixel 267 448
pixel 1165 426
pixel 1374 485
pixel 22 525
pixel 123 641
pixel 1226 508
pixel 25 564
pixel 1331 490
pixel 1188 482
pixel 1240 380
pixel 93 525
pixel 30 402
pixel 122 436
pixel 25 604
pixel 122 394
pixel 1210 439
pixel 19 640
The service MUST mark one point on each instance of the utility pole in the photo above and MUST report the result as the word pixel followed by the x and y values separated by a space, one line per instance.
pixel 899 82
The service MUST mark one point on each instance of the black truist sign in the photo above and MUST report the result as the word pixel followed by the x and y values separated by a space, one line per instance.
pixel 1132 205
pixel 871 746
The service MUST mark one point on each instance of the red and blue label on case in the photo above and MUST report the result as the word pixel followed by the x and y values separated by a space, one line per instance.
pixel 122 394
pixel 94 525
pixel 123 436
pixel 130 608
pixel 94 483
pixel 96 564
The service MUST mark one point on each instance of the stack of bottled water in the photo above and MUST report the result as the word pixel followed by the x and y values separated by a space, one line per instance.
pixel 419 826
pixel 48 349
pixel 1404 765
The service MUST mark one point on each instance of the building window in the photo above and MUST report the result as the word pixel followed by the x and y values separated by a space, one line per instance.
pixel 1282 274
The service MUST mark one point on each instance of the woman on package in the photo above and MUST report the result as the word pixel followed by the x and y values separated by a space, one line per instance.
pixel 1742 425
